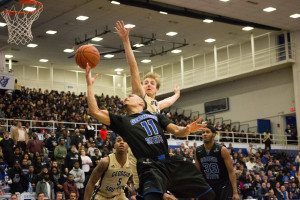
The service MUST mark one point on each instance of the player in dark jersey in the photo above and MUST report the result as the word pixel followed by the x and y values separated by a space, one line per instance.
pixel 214 161
pixel 143 132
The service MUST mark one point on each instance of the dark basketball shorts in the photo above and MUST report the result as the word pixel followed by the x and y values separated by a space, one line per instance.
pixel 175 174
pixel 223 191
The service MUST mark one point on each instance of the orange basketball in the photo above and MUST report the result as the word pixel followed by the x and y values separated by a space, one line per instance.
pixel 87 54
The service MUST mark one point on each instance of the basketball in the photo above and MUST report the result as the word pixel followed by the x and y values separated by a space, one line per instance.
pixel 87 54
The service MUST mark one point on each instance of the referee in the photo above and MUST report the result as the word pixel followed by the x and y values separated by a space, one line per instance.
pixel 143 132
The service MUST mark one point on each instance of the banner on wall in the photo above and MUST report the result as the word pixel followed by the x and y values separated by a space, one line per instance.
pixel 7 81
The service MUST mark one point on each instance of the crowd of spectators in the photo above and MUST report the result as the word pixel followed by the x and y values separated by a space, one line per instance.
pixel 60 164
pixel 260 175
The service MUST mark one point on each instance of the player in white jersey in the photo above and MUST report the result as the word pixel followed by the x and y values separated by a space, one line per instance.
pixel 111 175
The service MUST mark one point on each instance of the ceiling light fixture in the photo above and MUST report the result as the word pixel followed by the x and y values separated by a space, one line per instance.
pixel 297 15
pixel 115 2
pixel 176 51
pixel 97 39
pixel 225 0
pixel 129 26
pixel 43 60
pixel 162 12
pixel 146 61
pixel 51 32
pixel 68 50
pixel 269 9
pixel 109 56
pixel 208 21
pixel 2 24
pixel 171 33
pixel 247 28
pixel 29 9
pixel 119 70
pixel 210 40
pixel 9 56
pixel 138 45
pixel 82 18
pixel 32 45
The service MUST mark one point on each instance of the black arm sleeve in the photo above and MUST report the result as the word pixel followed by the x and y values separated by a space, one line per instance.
pixel 164 122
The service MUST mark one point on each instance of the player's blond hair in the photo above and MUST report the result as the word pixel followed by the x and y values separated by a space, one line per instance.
pixel 154 76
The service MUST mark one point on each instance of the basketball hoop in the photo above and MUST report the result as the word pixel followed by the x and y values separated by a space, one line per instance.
pixel 19 22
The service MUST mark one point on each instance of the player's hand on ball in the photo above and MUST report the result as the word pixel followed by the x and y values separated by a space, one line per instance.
pixel 122 31
pixel 89 80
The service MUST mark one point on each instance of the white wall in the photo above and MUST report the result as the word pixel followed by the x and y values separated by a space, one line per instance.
pixel 257 97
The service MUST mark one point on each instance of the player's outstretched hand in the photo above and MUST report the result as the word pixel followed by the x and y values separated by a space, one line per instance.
pixel 194 127
pixel 122 31
pixel 89 80
pixel 176 89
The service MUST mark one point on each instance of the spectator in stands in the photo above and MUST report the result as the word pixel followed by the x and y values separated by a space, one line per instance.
pixel 70 186
pixel 251 150
pixel 59 196
pixel 7 145
pixel 272 195
pixel 79 178
pixel 283 194
pixel 58 179
pixel 92 149
pixel 13 197
pixel 86 163
pixel 60 152
pixel 19 180
pixel 96 158
pixel 263 192
pixel 265 158
pixel 297 159
pixel 41 196
pixel 267 140
pixel 90 131
pixel 77 138
pixel 103 132
pixel 73 196
pixel 108 142
pixel 72 157
pixel 34 145
pixel 99 142
pixel 251 164
pixel 51 143
pixel 291 134
pixel 46 187
pixel 20 137
pixel 32 178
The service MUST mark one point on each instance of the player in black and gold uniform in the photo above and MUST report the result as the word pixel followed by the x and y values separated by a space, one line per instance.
pixel 143 131
pixel 110 176
pixel 214 161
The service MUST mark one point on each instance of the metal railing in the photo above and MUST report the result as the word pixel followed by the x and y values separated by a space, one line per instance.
pixel 221 136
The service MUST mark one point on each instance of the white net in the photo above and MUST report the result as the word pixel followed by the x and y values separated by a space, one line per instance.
pixel 19 24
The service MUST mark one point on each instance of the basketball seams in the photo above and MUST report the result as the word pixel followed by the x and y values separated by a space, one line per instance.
pixel 87 54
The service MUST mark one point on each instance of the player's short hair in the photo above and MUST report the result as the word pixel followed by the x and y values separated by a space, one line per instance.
pixel 154 76
pixel 212 129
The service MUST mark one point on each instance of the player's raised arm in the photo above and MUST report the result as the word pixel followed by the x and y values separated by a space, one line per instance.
pixel 134 71
pixel 96 175
pixel 100 115
pixel 167 102
pixel 180 131
pixel 231 172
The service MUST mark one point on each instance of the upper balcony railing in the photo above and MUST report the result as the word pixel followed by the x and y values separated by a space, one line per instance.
pixel 225 62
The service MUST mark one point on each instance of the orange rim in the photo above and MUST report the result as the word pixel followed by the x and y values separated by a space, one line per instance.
pixel 9 12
